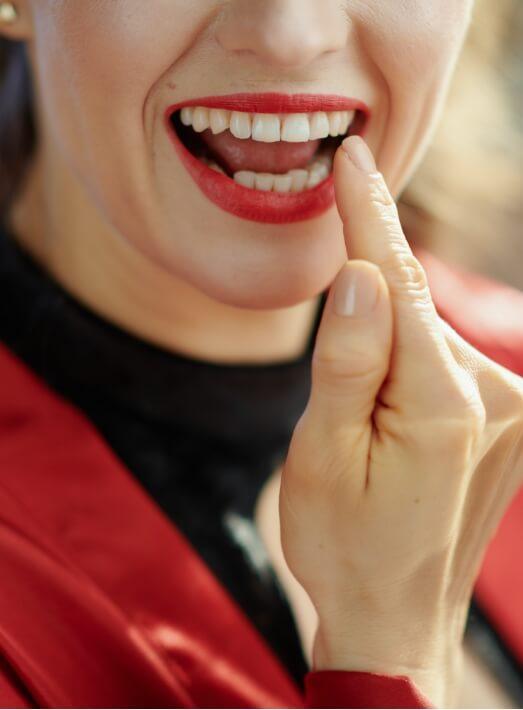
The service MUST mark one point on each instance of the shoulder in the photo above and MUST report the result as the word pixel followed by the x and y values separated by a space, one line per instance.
pixel 487 313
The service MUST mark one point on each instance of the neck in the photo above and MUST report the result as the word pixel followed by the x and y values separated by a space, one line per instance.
pixel 63 231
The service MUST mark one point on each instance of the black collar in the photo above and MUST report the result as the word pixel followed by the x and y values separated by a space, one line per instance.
pixel 92 361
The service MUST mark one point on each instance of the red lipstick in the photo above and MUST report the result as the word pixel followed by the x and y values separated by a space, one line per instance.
pixel 257 205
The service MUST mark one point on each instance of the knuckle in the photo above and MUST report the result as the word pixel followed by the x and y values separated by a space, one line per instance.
pixel 380 195
pixel 459 414
pixel 503 394
pixel 468 415
pixel 406 275
pixel 456 445
pixel 473 421
pixel 459 390
pixel 509 387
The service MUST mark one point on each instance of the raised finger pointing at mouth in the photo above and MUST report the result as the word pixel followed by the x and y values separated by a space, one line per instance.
pixel 373 232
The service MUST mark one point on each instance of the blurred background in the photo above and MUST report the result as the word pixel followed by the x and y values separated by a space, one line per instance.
pixel 465 203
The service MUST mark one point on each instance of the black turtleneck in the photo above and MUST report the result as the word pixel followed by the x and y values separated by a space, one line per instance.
pixel 201 438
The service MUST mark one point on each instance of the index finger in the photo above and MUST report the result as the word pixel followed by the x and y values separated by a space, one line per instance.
pixel 373 232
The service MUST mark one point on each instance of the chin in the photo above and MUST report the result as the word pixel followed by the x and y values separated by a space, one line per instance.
pixel 281 284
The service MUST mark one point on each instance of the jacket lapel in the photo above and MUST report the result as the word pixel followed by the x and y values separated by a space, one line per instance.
pixel 97 572
pixel 91 547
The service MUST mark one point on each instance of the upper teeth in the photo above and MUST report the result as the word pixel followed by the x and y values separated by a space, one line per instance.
pixel 269 127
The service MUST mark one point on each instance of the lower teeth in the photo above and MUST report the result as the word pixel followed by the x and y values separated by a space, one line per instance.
pixel 292 181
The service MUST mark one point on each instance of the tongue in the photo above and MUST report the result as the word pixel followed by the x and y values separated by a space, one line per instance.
pixel 237 154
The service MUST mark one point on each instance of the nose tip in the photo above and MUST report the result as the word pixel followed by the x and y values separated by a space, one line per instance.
pixel 283 52
pixel 283 33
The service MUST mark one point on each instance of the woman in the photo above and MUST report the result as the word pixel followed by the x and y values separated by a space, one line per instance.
pixel 167 262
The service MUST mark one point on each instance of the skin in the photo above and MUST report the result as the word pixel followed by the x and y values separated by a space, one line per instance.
pixel 175 269
pixel 112 214
pixel 403 462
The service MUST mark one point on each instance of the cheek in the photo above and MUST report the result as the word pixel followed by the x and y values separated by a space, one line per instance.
pixel 117 44
pixel 105 55
pixel 411 46
pixel 99 63
pixel 411 41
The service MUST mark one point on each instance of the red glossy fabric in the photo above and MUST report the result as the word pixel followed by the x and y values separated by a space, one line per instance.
pixel 12 694
pixel 331 689
pixel 103 603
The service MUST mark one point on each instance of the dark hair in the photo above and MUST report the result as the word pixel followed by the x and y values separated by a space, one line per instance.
pixel 17 125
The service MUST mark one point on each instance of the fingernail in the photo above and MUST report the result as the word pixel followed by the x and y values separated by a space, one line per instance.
pixel 360 154
pixel 356 291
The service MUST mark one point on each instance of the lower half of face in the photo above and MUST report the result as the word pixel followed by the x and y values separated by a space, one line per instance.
pixel 205 131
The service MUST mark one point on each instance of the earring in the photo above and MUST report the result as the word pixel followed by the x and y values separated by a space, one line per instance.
pixel 8 13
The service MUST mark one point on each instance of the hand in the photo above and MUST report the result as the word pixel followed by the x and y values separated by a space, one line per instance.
pixel 404 460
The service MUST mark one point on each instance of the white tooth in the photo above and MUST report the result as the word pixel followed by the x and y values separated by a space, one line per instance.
pixel 320 170
pixel 240 126
pixel 299 179
pixel 319 125
pixel 313 180
pixel 335 123
pixel 347 119
pixel 282 183
pixel 186 115
pixel 219 120
pixel 295 128
pixel 264 181
pixel 200 119
pixel 266 128
pixel 245 178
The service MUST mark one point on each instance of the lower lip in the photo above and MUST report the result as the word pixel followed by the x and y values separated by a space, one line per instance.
pixel 254 205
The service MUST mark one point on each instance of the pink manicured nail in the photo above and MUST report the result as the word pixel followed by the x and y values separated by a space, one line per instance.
pixel 356 291
pixel 360 154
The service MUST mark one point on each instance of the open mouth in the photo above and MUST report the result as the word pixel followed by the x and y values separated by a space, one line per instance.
pixel 262 151
pixel 272 163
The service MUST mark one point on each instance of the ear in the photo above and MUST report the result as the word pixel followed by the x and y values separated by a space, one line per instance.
pixel 21 27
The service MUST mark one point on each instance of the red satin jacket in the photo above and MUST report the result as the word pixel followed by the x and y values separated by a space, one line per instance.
pixel 104 603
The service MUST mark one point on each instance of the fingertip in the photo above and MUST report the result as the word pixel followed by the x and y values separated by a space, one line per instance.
pixel 359 154
pixel 357 180
pixel 351 184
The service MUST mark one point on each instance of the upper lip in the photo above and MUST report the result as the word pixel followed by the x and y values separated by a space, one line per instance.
pixel 276 103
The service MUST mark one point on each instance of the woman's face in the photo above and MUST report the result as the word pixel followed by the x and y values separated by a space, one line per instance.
pixel 108 70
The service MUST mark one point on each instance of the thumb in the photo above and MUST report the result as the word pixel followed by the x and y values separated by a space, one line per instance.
pixel 352 350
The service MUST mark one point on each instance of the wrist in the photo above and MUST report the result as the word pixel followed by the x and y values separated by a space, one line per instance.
pixel 423 661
